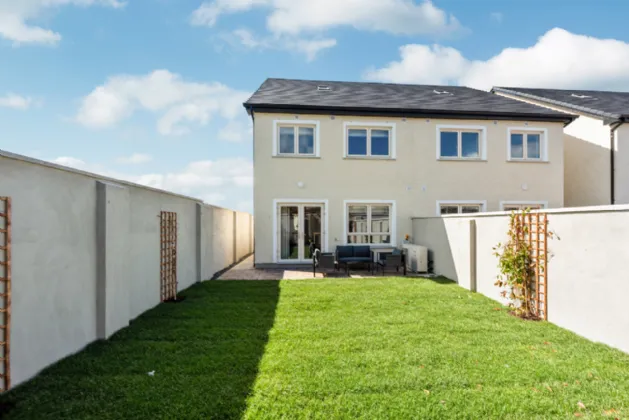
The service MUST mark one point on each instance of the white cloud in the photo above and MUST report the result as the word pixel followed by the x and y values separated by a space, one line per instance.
pixel 496 16
pixel 71 162
pixel 423 64
pixel 294 16
pixel 559 59
pixel 309 47
pixel 14 101
pixel 225 181
pixel 236 131
pixel 176 101
pixel 15 16
pixel 134 159
pixel 208 12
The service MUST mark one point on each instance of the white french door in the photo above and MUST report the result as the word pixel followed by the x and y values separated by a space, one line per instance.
pixel 299 225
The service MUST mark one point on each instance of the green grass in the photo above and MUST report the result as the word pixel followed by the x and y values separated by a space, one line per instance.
pixel 333 348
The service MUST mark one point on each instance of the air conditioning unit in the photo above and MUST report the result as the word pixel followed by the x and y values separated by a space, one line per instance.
pixel 416 258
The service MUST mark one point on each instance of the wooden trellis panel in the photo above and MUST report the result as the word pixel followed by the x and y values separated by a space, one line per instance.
pixel 533 230
pixel 168 270
pixel 5 292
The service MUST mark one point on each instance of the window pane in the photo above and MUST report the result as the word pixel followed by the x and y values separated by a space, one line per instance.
pixel 449 209
pixel 469 145
pixel 380 239
pixel 357 142
pixel 517 150
pixel 449 144
pixel 380 219
pixel 470 209
pixel 357 219
pixel 287 140
pixel 380 142
pixel 511 207
pixel 358 239
pixel 532 146
pixel 306 140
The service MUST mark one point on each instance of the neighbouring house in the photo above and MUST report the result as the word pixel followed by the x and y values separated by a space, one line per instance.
pixel 596 144
pixel 350 163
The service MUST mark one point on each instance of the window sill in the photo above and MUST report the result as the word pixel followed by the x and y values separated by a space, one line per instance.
pixel 527 161
pixel 460 160
pixel 368 158
pixel 296 156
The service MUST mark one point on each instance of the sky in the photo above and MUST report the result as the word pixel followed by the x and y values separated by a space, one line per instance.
pixel 151 91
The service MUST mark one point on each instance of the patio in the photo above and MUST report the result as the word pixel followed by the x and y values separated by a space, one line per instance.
pixel 246 271
pixel 331 348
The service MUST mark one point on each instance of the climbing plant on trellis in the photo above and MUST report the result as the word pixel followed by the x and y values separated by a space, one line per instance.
pixel 523 263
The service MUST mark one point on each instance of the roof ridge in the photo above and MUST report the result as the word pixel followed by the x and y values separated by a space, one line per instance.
pixel 561 90
pixel 370 83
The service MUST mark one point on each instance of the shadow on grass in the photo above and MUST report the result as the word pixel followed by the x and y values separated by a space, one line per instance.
pixel 441 280
pixel 204 352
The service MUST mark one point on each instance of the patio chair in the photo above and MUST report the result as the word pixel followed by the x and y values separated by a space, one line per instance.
pixel 395 259
pixel 322 260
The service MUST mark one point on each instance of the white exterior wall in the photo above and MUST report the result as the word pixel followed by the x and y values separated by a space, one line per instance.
pixel 86 255
pixel 587 274
pixel 621 165
pixel 415 180
pixel 587 161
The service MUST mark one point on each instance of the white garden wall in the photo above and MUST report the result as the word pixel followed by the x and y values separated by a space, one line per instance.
pixel 86 255
pixel 588 282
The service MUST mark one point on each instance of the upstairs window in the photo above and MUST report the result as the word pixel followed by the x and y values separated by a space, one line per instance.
pixel 460 143
pixel 370 140
pixel 527 145
pixel 297 139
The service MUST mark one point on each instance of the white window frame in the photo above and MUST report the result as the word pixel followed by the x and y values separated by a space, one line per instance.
pixel 392 215
pixel 296 124
pixel 288 201
pixel 523 204
pixel 482 140
pixel 543 139
pixel 481 203
pixel 369 126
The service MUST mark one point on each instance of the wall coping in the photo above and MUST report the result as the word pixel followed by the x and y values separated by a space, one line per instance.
pixel 102 178
pixel 617 208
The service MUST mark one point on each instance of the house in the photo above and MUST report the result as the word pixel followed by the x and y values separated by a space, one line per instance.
pixel 596 144
pixel 350 163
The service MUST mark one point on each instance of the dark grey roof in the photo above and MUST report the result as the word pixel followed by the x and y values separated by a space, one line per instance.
pixel 389 99
pixel 609 105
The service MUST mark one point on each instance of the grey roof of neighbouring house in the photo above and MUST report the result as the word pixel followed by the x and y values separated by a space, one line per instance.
pixel 352 98
pixel 605 104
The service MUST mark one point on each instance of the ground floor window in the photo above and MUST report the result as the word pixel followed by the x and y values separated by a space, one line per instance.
pixel 369 223
pixel 522 206
pixel 453 207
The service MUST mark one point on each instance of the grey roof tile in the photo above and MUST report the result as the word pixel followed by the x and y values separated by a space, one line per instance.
pixel 597 102
pixel 386 97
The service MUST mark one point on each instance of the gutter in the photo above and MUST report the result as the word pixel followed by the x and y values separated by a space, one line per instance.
pixel 407 113
pixel 612 157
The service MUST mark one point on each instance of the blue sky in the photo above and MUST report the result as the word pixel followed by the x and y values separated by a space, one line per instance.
pixel 151 90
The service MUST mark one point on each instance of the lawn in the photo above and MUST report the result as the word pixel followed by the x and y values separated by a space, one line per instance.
pixel 332 348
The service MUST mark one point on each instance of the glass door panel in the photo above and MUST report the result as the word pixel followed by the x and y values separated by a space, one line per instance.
pixel 289 233
pixel 312 232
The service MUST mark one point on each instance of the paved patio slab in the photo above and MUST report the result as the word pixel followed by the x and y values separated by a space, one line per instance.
pixel 246 271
